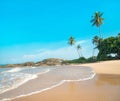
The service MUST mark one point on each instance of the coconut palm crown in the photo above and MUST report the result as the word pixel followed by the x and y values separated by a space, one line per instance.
pixel 97 19
pixel 71 41
pixel 79 48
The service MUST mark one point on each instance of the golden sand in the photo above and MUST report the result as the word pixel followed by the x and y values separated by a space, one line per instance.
pixel 104 87
pixel 106 67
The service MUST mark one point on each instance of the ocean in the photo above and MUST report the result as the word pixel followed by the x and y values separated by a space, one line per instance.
pixel 39 79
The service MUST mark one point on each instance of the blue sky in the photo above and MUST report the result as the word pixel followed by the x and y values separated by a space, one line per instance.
pixel 32 30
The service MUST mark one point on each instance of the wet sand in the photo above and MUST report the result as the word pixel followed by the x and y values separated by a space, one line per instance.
pixel 105 86
pixel 101 88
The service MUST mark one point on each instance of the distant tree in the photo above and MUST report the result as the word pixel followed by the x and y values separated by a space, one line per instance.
pixel 118 46
pixel 78 50
pixel 95 42
pixel 71 41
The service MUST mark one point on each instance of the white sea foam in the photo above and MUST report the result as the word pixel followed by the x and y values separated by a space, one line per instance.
pixel 53 86
pixel 16 83
pixel 46 71
pixel 17 69
pixel 14 78
pixel 33 67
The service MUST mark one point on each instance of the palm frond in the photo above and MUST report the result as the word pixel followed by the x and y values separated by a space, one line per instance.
pixel 94 23
pixel 92 20
pixel 101 14
pixel 97 19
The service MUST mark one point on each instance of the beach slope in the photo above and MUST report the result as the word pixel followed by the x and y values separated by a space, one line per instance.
pixel 105 86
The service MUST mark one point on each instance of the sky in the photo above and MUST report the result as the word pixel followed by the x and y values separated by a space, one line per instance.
pixel 33 30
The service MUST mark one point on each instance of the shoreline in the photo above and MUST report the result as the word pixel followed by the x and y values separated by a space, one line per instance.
pixel 50 80
pixel 97 67
pixel 101 84
pixel 49 88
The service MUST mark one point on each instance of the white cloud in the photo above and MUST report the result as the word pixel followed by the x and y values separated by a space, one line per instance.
pixel 67 52
pixel 82 42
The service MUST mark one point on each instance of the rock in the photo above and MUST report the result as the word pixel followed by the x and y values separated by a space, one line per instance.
pixel 28 64
pixel 50 62
pixel 46 62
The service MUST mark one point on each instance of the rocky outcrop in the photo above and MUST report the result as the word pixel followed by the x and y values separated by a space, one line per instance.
pixel 50 62
pixel 29 64
pixel 46 62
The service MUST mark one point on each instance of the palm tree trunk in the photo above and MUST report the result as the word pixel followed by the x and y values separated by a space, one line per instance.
pixel 93 53
pixel 99 29
pixel 100 32
pixel 94 58
pixel 81 54
pixel 78 53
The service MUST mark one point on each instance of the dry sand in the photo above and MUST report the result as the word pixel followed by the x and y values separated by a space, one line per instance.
pixel 106 67
pixel 105 86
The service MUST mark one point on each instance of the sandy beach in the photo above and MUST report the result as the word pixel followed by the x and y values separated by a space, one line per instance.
pixel 60 50
pixel 105 67
pixel 105 86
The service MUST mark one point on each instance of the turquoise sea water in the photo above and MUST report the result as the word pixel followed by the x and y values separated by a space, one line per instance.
pixel 13 77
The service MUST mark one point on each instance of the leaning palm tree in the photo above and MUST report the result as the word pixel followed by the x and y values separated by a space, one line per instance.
pixel 78 50
pixel 95 42
pixel 97 21
pixel 71 41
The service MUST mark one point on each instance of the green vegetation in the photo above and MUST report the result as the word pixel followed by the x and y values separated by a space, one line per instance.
pixel 109 48
pixel 97 21
pixel 78 50
pixel 81 60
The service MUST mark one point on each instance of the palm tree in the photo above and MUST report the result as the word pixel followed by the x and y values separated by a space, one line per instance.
pixel 95 42
pixel 118 35
pixel 78 50
pixel 71 41
pixel 97 21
